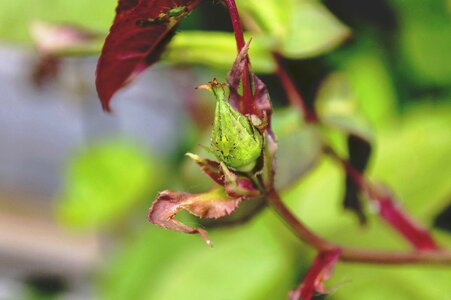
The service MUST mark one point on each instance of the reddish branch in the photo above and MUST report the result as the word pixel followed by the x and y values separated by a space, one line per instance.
pixel 355 254
pixel 433 255
pixel 247 100
pixel 388 207
pixel 294 96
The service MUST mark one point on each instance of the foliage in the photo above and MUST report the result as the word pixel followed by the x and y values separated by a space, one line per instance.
pixel 358 136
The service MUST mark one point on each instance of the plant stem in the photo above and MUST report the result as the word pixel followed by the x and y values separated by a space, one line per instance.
pixel 294 96
pixel 247 105
pixel 303 232
pixel 354 254
pixel 236 23
pixel 388 207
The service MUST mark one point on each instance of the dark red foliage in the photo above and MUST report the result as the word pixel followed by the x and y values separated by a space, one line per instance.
pixel 319 272
pixel 140 32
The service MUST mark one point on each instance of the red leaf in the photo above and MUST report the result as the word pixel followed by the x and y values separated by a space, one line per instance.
pixel 235 185
pixel 319 272
pixel 141 30
pixel 210 167
pixel 238 186
pixel 212 205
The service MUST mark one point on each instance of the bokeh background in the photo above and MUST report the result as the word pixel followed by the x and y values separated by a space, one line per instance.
pixel 76 183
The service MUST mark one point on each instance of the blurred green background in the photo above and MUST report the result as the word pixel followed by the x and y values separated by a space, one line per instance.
pixel 76 184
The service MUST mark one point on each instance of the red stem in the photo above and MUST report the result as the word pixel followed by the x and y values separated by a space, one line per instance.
pixel 437 256
pixel 388 209
pixel 247 105
pixel 293 94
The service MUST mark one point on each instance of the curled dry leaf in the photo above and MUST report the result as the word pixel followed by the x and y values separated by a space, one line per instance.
pixel 210 167
pixel 319 272
pixel 211 205
pixel 139 34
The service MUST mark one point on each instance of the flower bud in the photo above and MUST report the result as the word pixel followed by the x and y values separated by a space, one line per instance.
pixel 234 140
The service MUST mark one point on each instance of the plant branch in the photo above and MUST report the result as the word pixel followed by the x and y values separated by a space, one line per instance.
pixel 303 232
pixel 293 94
pixel 388 207
pixel 247 102
pixel 355 255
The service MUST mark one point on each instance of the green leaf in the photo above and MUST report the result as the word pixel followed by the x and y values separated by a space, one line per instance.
pixel 297 28
pixel 104 182
pixel 357 281
pixel 247 262
pixel 216 49
pixel 298 147
pixel 140 265
pixel 16 16
pixel 337 106
pixel 312 30
pixel 410 158
pixel 425 40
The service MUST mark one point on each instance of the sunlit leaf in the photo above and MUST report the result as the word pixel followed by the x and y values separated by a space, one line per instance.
pixel 297 28
pixel 104 182
pixel 337 106
pixel 247 263
pixel 299 147
pixel 16 16
pixel 215 49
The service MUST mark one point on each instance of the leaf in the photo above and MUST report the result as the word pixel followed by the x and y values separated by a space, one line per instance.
pixel 359 155
pixel 212 205
pixel 443 219
pixel 298 28
pixel 139 34
pixel 337 106
pixel 210 167
pixel 319 272
pixel 235 185
pixel 16 16
pixel 216 49
pixel 299 147
pixel 248 263
pixel 312 30
pixel 105 182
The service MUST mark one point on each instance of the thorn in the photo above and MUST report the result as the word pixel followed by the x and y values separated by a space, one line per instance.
pixel 204 235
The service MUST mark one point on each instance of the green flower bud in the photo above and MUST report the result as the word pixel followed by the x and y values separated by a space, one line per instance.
pixel 234 140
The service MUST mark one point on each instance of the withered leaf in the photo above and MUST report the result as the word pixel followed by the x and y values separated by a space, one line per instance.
pixel 212 205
